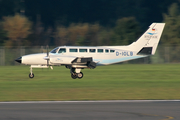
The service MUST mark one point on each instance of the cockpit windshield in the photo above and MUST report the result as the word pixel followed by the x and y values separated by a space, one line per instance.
pixel 54 50
pixel 58 50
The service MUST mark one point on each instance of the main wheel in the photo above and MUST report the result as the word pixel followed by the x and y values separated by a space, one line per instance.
pixel 80 75
pixel 74 75
pixel 31 75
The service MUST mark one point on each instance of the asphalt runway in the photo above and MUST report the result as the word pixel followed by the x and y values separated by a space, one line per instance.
pixel 91 110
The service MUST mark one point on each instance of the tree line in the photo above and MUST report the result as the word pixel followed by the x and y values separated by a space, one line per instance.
pixel 19 30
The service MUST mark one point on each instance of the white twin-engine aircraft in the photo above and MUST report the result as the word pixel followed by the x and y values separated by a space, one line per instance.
pixel 78 57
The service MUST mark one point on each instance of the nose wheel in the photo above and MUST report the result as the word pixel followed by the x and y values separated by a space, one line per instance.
pixel 31 75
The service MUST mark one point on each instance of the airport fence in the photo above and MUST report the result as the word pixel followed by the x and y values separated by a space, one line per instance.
pixel 164 54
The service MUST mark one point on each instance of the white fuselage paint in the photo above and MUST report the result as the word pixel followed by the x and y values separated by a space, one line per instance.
pixel 108 56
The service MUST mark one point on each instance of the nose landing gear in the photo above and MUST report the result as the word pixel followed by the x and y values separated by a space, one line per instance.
pixel 31 75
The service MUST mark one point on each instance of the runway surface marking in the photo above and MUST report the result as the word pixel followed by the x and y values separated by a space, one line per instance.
pixel 166 117
pixel 101 101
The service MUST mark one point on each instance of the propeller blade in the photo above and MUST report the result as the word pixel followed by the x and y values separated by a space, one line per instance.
pixel 47 51
pixel 47 47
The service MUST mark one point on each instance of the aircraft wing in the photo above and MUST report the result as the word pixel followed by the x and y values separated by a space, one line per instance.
pixel 87 61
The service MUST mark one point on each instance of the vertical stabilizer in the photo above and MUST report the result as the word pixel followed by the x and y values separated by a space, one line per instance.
pixel 148 42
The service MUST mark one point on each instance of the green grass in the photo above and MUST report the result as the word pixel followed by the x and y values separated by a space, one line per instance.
pixel 115 82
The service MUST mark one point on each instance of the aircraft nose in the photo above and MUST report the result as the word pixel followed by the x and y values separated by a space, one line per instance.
pixel 19 60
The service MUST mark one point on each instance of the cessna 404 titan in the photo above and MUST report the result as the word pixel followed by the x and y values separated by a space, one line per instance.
pixel 76 58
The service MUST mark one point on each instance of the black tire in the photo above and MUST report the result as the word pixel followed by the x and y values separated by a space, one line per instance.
pixel 74 76
pixel 80 75
pixel 31 75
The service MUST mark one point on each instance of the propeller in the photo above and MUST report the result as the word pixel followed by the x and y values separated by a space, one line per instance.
pixel 47 57
pixel 47 47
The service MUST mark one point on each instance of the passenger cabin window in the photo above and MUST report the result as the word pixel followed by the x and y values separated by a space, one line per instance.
pixel 73 50
pixel 92 50
pixel 106 50
pixel 82 50
pixel 62 50
pixel 100 50
pixel 54 50
pixel 112 51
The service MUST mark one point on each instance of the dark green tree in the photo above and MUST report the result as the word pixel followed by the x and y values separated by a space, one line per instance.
pixel 10 7
pixel 3 35
pixel 171 34
pixel 126 31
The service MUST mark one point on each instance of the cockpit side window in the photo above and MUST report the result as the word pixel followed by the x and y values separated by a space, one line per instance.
pixel 112 51
pixel 62 50
pixel 54 50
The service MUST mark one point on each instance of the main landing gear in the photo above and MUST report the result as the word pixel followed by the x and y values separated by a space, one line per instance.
pixel 31 75
pixel 77 74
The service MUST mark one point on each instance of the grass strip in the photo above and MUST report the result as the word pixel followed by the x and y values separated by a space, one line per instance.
pixel 114 82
